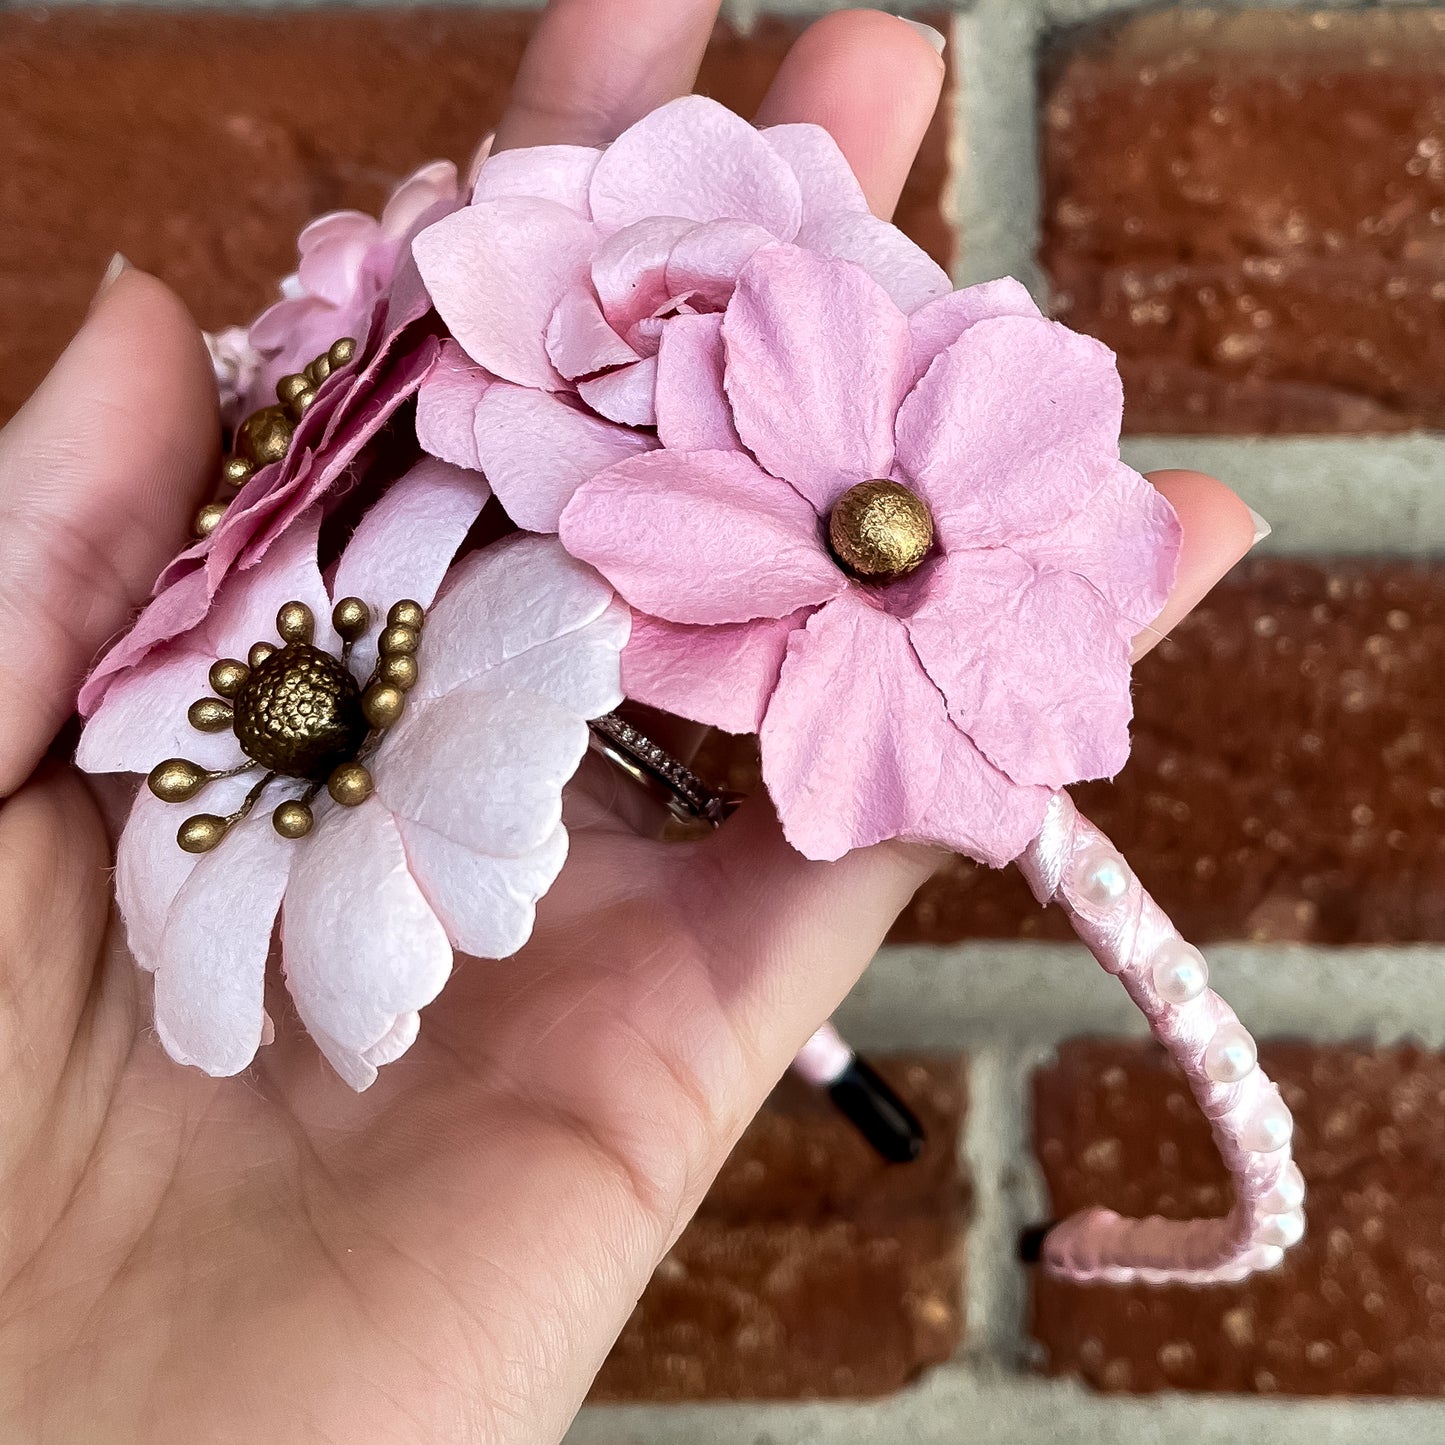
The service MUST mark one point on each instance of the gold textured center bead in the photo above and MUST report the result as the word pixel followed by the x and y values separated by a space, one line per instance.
pixel 299 713
pixel 880 531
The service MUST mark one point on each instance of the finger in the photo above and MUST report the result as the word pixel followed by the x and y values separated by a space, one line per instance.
pixel 596 66
pixel 100 473
pixel 1218 530
pixel 873 82
pixel 796 934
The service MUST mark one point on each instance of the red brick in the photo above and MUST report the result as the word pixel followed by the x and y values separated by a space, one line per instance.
pixel 199 144
pixel 1288 774
pixel 1358 1308
pixel 812 1268
pixel 1250 208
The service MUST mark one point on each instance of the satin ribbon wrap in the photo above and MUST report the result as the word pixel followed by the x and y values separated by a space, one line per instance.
pixel 1125 933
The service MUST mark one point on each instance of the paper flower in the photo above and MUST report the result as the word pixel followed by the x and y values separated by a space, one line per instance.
pixel 346 263
pixel 331 368
pixel 563 281
pixel 901 548
pixel 384 773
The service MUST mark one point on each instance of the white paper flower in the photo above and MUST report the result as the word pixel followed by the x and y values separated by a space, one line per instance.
pixel 461 832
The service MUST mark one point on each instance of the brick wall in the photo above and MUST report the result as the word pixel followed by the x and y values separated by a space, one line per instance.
pixel 1248 204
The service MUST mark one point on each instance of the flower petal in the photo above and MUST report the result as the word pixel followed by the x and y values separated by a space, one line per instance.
pixel 816 367
pixel 519 593
pixel 976 810
pixel 141 721
pixel 1011 430
pixel 701 537
pixel 537 449
pixel 244 610
pixel 935 327
pixel 176 609
pixel 579 339
pixel 1032 664
pixel 695 158
pixel 900 266
pixel 211 976
pixel 150 866
pixel 826 179
pixel 488 906
pixel 397 1040
pixel 581 670
pixel 545 173
pixel 403 546
pixel 445 405
pixel 721 676
pixel 629 270
pixel 704 264
pixel 692 409
pixel 624 395
pixel 362 946
pixel 333 249
pixel 485 769
pixel 1125 542
pixel 496 272
pixel 358 1067
pixel 416 195
pixel 846 743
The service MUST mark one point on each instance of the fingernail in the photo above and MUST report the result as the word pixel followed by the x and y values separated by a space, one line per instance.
pixel 1262 529
pixel 935 38
pixel 118 266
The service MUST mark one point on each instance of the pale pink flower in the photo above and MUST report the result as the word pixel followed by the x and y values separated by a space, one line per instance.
pixel 462 834
pixel 562 280
pixel 943 705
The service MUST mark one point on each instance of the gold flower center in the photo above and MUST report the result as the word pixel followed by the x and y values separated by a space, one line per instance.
pixel 880 531
pixel 299 713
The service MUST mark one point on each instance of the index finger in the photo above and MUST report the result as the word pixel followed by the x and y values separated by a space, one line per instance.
pixel 596 66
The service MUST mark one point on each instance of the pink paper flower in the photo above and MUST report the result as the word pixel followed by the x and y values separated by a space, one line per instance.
pixel 347 260
pixel 462 830
pixel 356 280
pixel 902 548
pixel 563 281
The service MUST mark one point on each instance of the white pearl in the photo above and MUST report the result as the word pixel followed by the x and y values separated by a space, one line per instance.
pixel 1283 1229
pixel 1266 1256
pixel 1180 972
pixel 1101 876
pixel 1231 1054
pixel 1288 1192
pixel 1270 1129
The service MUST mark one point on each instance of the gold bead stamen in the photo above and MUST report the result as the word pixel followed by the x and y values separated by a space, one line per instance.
pixel 265 436
pixel 298 712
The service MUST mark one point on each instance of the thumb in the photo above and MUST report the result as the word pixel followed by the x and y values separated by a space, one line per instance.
pixel 100 474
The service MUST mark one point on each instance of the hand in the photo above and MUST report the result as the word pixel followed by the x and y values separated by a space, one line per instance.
pixel 447 1257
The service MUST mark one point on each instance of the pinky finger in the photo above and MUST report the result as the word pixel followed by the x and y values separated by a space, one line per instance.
pixel 1219 529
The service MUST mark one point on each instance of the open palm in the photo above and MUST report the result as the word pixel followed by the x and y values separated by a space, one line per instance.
pixel 448 1256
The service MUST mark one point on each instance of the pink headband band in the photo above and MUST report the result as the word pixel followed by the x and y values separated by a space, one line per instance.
pixel 1073 864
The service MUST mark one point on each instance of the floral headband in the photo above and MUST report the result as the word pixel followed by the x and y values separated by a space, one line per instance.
pixel 764 470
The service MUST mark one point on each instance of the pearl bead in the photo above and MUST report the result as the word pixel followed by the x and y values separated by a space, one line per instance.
pixel 1230 1055
pixel 1180 972
pixel 1266 1256
pixel 1101 876
pixel 1283 1229
pixel 1288 1192
pixel 1270 1129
